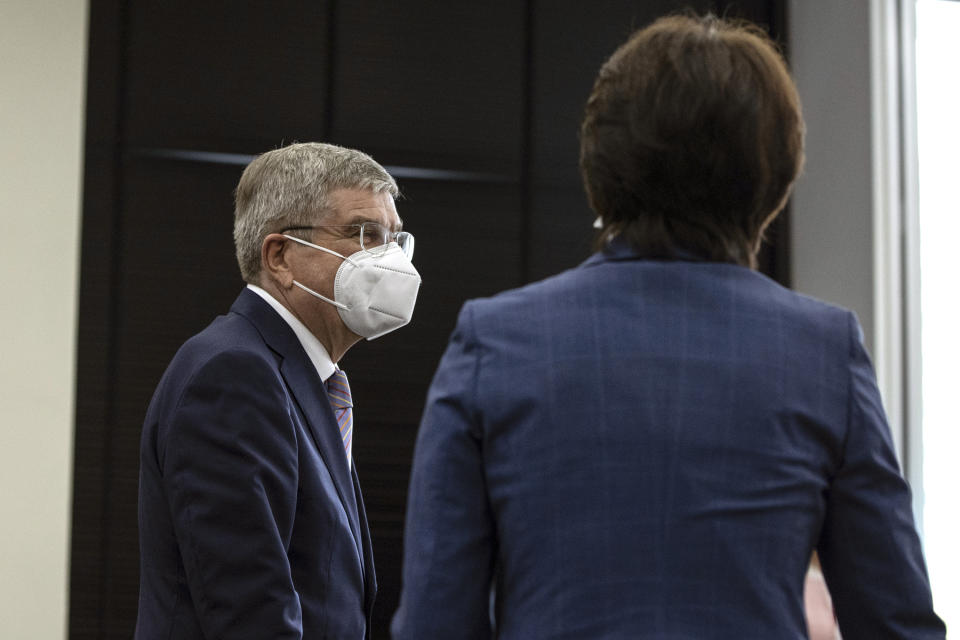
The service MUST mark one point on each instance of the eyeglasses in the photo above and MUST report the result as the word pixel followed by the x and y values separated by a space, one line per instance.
pixel 372 237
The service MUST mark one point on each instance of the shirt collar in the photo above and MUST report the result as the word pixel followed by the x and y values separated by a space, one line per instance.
pixel 315 351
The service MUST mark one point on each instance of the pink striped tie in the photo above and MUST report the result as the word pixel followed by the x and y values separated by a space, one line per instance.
pixel 338 389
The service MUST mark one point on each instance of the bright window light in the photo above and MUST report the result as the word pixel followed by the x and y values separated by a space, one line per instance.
pixel 938 138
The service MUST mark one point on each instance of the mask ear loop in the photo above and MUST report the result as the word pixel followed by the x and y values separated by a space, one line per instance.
pixel 319 248
pixel 339 305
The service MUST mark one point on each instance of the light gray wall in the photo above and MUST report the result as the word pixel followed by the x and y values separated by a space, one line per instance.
pixel 42 66
pixel 832 215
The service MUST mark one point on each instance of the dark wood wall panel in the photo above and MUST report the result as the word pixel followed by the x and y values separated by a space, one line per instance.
pixel 571 40
pixel 175 278
pixel 473 106
pixel 175 271
pixel 432 84
pixel 225 75
pixel 178 246
pixel 467 246
pixel 560 230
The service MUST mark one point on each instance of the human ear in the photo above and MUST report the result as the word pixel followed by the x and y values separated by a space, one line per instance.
pixel 274 260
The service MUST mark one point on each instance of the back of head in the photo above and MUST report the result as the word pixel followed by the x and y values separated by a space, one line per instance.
pixel 290 187
pixel 692 139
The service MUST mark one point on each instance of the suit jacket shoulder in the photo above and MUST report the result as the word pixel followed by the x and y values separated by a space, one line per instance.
pixel 249 524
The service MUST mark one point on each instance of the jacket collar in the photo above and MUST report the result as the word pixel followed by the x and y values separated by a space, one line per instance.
pixel 619 249
pixel 616 249
pixel 311 344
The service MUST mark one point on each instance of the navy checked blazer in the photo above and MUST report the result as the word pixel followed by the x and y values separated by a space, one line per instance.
pixel 652 449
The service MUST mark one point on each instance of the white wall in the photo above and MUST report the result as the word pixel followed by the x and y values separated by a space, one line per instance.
pixel 832 253
pixel 42 67
pixel 846 220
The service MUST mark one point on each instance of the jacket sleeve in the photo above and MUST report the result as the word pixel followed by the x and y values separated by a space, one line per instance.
pixel 869 547
pixel 449 540
pixel 229 464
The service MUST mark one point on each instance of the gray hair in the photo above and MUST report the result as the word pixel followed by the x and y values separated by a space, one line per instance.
pixel 290 187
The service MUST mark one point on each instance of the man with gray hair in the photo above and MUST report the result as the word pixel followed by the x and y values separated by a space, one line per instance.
pixel 252 524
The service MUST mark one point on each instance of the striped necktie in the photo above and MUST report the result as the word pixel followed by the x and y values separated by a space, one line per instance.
pixel 338 389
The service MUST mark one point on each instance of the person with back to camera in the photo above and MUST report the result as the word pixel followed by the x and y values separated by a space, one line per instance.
pixel 252 524
pixel 651 445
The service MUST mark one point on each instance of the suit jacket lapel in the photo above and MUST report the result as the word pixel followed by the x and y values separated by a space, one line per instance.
pixel 309 392
pixel 312 398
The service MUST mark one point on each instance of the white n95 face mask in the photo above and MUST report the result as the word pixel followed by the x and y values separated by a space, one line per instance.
pixel 374 293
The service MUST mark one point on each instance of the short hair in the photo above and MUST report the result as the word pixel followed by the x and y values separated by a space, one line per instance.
pixel 290 187
pixel 692 139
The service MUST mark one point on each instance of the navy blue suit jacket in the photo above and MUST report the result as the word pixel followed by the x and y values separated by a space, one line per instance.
pixel 653 449
pixel 251 522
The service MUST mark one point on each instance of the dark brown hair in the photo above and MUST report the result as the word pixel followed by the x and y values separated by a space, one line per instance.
pixel 692 139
